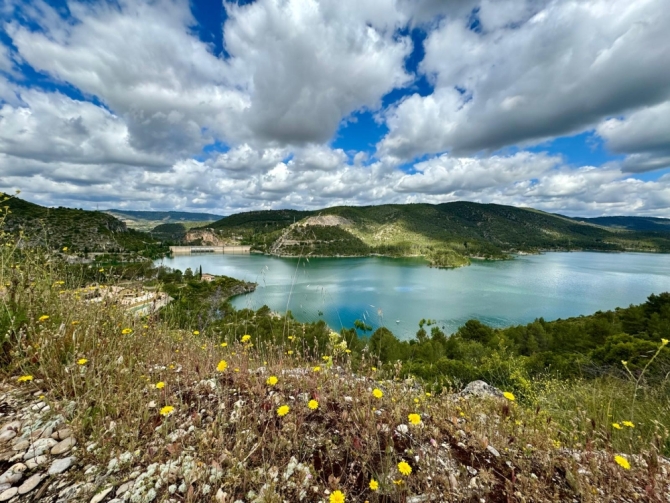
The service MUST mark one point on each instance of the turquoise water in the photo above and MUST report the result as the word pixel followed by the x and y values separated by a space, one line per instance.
pixel 397 293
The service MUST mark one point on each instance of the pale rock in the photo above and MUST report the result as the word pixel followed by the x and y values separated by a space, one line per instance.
pixel 60 465
pixel 63 446
pixel 481 389
pixel 14 474
pixel 101 495
pixel 36 461
pixel 21 445
pixel 39 447
pixel 7 435
pixel 124 488
pixel 4 487
pixel 220 496
pixel 9 494
pixel 493 451
pixel 13 425
pixel 31 483
pixel 38 406
pixel 402 428
pixel 62 434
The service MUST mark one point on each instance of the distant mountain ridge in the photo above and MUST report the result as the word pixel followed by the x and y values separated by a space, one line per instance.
pixel 167 216
pixel 448 234
pixel 654 224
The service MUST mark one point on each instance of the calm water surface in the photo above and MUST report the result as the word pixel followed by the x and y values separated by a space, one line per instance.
pixel 397 293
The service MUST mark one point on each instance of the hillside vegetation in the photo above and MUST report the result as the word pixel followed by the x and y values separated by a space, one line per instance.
pixel 78 231
pixel 203 402
pixel 448 234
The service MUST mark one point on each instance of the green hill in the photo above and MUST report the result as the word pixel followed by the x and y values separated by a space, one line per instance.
pixel 644 224
pixel 79 230
pixel 448 234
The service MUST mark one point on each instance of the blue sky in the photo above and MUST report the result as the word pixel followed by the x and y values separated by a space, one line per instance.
pixel 230 106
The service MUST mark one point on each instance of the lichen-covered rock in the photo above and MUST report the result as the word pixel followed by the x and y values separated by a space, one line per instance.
pixel 481 389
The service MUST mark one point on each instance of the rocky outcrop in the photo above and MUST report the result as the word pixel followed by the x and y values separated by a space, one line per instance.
pixel 206 237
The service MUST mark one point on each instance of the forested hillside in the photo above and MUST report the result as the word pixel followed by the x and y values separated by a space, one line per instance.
pixel 446 234
pixel 79 231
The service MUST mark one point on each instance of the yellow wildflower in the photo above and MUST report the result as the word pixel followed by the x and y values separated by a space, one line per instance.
pixel 82 361
pixel 246 338
pixel 404 468
pixel 224 344
pixel 126 331
pixel 630 424
pixel 622 462
pixel 271 381
pixel 313 404
pixel 289 352
pixel 377 393
pixel 102 269
pixel 160 385
pixel 283 410
pixel 75 322
pixel 374 485
pixel 223 365
pixel 414 418
pixel 325 358
pixel 617 426
pixel 316 369
pixel 336 497
pixel 167 410
pixel 44 317
pixel 374 369
pixel 64 248
pixel 509 396
pixel 196 332
pixel 664 342
pixel 236 369
pixel 25 378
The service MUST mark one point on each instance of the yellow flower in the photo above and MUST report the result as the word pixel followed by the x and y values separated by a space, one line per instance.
pixel 316 369
pixel 25 378
pixel 374 485
pixel 557 444
pixel 624 362
pixel 428 394
pixel 347 350
pixel 404 468
pixel 617 426
pixel 82 361
pixel 64 248
pixel 75 322
pixel 374 369
pixel 325 358
pixel 126 331
pixel 196 332
pixel 398 482
pixel 509 396
pixel 664 342
pixel 246 338
pixel 313 404
pixel 271 381
pixel 630 424
pixel 224 344
pixel 44 317
pixel 622 462
pixel 377 393
pixel 414 418
pixel 160 385
pixel 167 410
pixel 236 369
pixel 283 410
pixel 102 269
pixel 416 400
pixel 223 365
pixel 145 326
pixel 336 497
pixel 289 352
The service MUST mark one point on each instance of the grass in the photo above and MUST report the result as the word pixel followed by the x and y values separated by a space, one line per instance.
pixel 320 427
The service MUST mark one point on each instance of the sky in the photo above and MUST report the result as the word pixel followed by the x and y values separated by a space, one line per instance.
pixel 559 105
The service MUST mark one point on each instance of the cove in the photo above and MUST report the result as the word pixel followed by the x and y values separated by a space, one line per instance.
pixel 397 293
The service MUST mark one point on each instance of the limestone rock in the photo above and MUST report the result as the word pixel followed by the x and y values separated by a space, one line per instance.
pixel 7 435
pixel 14 474
pixel 31 483
pixel 481 389
pixel 62 434
pixel 9 494
pixel 63 446
pixel 36 461
pixel 101 495
pixel 60 465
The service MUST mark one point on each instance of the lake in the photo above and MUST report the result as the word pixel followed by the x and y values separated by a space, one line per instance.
pixel 397 293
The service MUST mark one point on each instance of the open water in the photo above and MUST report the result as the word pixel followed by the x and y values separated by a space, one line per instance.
pixel 397 293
